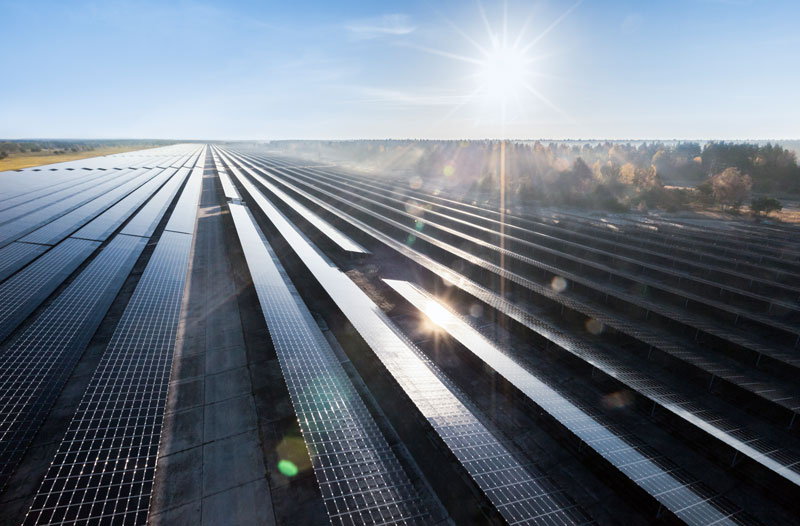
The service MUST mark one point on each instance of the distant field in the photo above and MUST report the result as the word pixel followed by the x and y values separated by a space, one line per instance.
pixel 18 161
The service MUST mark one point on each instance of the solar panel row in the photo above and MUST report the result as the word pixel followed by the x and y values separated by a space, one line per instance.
pixel 15 229
pixel 343 241
pixel 587 231
pixel 58 229
pixel 361 479
pixel 663 276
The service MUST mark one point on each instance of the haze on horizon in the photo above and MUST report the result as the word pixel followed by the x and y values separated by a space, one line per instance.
pixel 689 69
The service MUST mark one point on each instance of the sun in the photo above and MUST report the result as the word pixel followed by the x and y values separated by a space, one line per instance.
pixel 506 78
pixel 503 74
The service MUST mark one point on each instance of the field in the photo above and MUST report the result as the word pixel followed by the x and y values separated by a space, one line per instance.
pixel 18 161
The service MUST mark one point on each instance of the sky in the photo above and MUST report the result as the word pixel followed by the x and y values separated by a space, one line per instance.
pixel 678 69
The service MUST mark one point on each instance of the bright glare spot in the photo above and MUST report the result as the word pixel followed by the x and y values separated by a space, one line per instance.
pixel 436 313
pixel 503 73
pixel 448 170
pixel 415 183
pixel 418 225
pixel 287 468
pixel 558 284
pixel 594 326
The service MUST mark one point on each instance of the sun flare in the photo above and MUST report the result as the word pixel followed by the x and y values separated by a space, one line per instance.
pixel 503 74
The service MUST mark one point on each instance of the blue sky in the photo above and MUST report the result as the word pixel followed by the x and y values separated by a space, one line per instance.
pixel 269 70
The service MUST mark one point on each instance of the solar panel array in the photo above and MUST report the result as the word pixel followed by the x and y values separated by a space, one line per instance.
pixel 343 241
pixel 361 479
pixel 673 488
pixel 693 322
pixel 729 432
pixel 38 362
pixel 776 461
pixel 653 339
pixel 522 496
pixel 105 464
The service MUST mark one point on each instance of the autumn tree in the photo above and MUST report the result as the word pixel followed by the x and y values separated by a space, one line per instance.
pixel 731 187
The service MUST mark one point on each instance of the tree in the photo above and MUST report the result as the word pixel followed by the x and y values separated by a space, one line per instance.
pixel 765 205
pixel 731 187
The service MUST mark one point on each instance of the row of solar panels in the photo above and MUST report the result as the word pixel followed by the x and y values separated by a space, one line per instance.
pixel 103 468
pixel 739 440
pixel 673 253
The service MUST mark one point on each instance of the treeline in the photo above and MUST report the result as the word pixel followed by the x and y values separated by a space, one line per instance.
pixel 605 175
pixel 60 146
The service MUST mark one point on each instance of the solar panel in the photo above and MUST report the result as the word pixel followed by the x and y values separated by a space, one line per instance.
pixel 183 217
pixel 361 480
pixel 343 241
pixel 146 220
pixel 525 239
pixel 27 289
pixel 105 224
pixel 31 221
pixel 58 229
pixel 519 495
pixel 28 195
pixel 530 224
pixel 79 186
pixel 36 364
pixel 16 255
pixel 696 505
pixel 228 188
pixel 105 465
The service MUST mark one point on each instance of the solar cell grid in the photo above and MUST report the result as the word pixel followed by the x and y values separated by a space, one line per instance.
pixel 361 480
pixel 656 339
pixel 182 219
pixel 81 186
pixel 16 255
pixel 105 224
pixel 27 195
pixel 27 289
pixel 566 225
pixel 105 465
pixel 35 366
pixel 527 238
pixel 146 220
pixel 428 388
pixel 29 222
pixel 58 229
